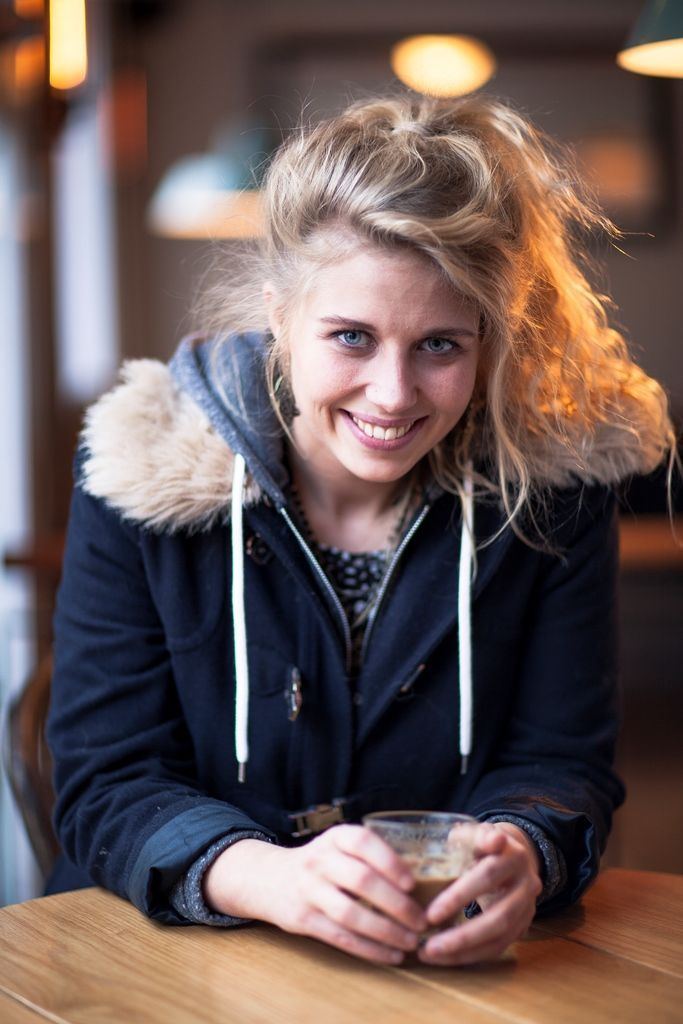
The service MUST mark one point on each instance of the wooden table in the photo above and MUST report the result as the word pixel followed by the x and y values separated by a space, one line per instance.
pixel 88 957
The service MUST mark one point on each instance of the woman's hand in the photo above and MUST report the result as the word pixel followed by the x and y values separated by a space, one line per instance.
pixel 505 881
pixel 323 890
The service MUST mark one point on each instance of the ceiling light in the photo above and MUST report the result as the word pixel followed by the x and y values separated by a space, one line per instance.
pixel 655 46
pixel 68 46
pixel 442 65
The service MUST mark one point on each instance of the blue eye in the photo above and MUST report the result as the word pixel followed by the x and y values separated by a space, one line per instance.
pixel 438 346
pixel 352 339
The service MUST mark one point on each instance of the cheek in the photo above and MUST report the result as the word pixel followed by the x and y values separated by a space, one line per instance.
pixel 320 380
pixel 452 393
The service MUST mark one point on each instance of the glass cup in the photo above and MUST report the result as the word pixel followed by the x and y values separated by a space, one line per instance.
pixel 439 847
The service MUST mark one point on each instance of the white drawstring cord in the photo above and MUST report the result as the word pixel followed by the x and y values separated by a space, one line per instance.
pixel 465 620
pixel 239 622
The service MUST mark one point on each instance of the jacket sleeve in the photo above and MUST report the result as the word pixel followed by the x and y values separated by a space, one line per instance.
pixel 129 809
pixel 554 768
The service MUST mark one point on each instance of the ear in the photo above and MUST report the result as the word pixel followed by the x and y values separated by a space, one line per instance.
pixel 273 304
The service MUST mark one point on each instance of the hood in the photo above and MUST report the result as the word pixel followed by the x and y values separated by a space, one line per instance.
pixel 160 446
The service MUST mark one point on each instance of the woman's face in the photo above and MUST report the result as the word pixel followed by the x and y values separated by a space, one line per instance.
pixel 383 357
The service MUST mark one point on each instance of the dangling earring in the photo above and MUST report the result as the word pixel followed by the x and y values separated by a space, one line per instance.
pixel 469 424
pixel 284 398
pixel 468 428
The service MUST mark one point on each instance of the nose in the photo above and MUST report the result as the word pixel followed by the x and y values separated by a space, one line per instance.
pixel 392 387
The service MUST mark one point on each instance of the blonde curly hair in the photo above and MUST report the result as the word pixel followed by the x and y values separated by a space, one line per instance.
pixel 497 206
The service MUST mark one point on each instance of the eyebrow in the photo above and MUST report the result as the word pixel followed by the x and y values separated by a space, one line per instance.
pixel 429 332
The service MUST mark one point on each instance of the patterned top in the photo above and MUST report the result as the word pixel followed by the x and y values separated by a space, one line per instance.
pixel 356 578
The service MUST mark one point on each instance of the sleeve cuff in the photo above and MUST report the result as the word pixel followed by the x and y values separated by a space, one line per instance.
pixel 187 898
pixel 554 872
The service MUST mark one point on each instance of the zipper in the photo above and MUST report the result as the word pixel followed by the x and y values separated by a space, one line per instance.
pixel 322 576
pixel 320 573
pixel 387 578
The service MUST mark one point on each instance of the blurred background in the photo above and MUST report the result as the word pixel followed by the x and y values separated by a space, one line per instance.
pixel 131 134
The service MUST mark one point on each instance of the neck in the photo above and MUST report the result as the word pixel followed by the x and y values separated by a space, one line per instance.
pixel 344 511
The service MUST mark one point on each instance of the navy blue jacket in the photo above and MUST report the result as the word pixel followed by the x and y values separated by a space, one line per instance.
pixel 142 718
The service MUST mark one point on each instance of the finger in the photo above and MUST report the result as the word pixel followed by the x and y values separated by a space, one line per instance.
pixel 502 924
pixel 355 917
pixel 494 872
pixel 488 839
pixel 362 880
pixel 489 875
pixel 470 948
pixel 469 955
pixel 321 927
pixel 362 843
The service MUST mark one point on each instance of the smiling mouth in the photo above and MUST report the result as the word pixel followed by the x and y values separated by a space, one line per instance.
pixel 382 433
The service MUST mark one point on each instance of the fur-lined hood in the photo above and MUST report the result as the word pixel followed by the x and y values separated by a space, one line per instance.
pixel 159 446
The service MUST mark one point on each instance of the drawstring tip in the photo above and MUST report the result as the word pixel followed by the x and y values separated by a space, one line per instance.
pixel 242 772
pixel 464 761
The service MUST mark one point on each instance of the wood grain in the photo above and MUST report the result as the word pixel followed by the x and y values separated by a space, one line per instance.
pixel 14 1012
pixel 553 981
pixel 90 958
pixel 96 960
pixel 630 914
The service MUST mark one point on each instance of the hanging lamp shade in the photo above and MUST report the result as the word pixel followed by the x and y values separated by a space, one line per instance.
pixel 655 46
pixel 213 195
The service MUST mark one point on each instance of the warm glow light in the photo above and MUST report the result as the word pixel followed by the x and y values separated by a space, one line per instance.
pixel 68 49
pixel 624 170
pixel 22 67
pixel 663 59
pixel 6 69
pixel 29 64
pixel 442 65
pixel 655 45
pixel 29 8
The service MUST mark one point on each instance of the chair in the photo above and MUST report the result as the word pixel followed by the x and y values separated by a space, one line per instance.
pixel 28 763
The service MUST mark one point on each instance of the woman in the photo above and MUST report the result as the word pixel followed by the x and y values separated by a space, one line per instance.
pixel 362 555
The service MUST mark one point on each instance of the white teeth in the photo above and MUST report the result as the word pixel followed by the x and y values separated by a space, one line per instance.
pixel 382 433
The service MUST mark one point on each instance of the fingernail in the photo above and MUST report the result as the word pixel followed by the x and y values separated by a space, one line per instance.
pixel 407 882
pixel 397 958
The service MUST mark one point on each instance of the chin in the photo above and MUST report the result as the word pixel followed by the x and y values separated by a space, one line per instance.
pixel 387 474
